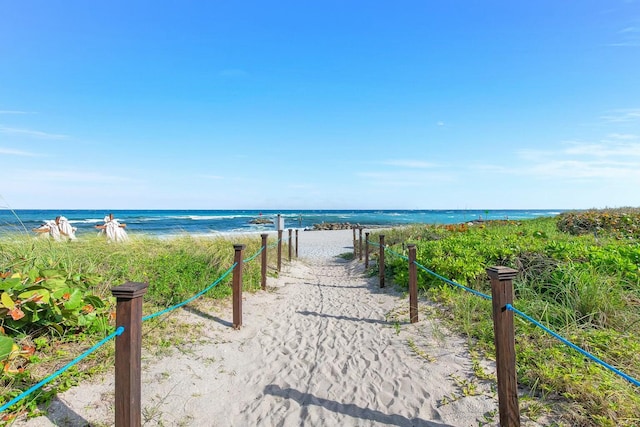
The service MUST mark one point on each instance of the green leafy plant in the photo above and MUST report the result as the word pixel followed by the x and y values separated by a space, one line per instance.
pixel 579 275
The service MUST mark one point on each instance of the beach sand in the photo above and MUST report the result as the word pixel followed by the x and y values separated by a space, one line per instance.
pixel 323 346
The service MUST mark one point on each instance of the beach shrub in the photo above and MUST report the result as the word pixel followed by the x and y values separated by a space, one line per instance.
pixel 621 222
pixel 585 285
pixel 36 300
pixel 55 295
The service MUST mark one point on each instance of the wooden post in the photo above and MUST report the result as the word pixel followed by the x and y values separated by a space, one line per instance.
pixel 279 250
pixel 297 243
pixel 290 243
pixel 355 248
pixel 366 250
pixel 381 262
pixel 504 337
pixel 128 357
pixel 237 286
pixel 360 245
pixel 263 270
pixel 413 284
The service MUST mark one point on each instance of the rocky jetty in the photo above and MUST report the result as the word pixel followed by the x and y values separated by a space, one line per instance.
pixel 335 226
pixel 261 220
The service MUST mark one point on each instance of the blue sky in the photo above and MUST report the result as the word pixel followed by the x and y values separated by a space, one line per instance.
pixel 319 105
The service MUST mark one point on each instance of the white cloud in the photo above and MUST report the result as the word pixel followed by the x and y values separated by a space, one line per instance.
pixel 604 149
pixel 14 112
pixel 624 136
pixel 628 37
pixel 11 152
pixel 575 169
pixel 30 133
pixel 622 116
pixel 604 161
pixel 441 123
pixel 630 30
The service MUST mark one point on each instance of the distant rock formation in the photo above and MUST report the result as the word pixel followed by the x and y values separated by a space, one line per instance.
pixel 261 220
pixel 335 226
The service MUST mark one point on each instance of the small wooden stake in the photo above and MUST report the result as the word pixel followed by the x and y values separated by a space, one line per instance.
pixel 355 248
pixel 504 338
pixel 237 286
pixel 381 262
pixel 366 250
pixel 413 284
pixel 128 359
pixel 263 269
pixel 279 250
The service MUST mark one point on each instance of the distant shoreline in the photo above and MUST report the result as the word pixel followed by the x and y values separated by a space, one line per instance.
pixel 167 223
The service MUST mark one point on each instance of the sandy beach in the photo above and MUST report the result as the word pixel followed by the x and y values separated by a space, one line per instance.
pixel 323 346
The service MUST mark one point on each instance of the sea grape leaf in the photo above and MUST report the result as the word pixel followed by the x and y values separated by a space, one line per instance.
pixel 12 283
pixel 94 301
pixel 55 283
pixel 74 300
pixel 51 274
pixel 39 296
pixel 34 274
pixel 6 347
pixel 7 301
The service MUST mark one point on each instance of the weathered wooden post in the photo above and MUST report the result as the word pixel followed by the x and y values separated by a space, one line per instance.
pixel 504 337
pixel 279 250
pixel 355 248
pixel 366 250
pixel 360 245
pixel 413 284
pixel 128 357
pixel 381 262
pixel 263 267
pixel 290 243
pixel 237 286
pixel 296 243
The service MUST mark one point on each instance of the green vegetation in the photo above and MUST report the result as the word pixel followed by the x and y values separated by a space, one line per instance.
pixel 347 256
pixel 579 274
pixel 55 298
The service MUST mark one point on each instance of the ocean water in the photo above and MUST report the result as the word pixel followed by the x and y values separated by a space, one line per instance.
pixel 167 223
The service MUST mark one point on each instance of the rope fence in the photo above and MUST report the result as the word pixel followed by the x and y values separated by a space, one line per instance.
pixel 504 334
pixel 128 332
pixel 60 371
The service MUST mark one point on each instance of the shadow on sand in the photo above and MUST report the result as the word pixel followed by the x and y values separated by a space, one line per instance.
pixel 352 319
pixel 61 415
pixel 207 316
pixel 306 399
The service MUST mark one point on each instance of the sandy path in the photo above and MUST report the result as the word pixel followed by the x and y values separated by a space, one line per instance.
pixel 319 348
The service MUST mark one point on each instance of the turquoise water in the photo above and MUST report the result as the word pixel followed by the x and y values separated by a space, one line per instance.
pixel 163 223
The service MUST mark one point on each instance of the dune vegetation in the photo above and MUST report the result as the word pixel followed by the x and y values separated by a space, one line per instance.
pixel 56 298
pixel 579 275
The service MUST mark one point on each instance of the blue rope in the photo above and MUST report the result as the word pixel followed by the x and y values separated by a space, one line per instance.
pixel 273 245
pixel 173 307
pixel 35 387
pixel 373 243
pixel 573 346
pixel 480 294
pixel 254 255
pixel 397 254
